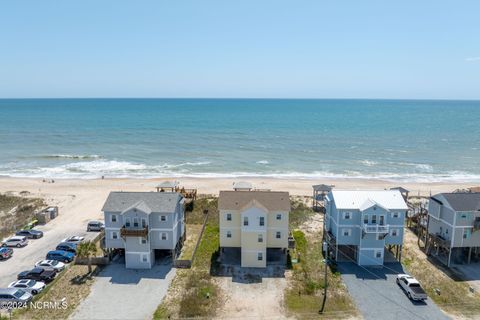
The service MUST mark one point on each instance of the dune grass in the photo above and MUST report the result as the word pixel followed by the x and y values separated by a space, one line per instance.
pixel 16 212
pixel 304 294
pixel 71 286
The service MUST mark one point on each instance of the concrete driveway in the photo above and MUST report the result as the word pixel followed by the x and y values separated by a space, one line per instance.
pixel 469 272
pixel 120 293
pixel 377 295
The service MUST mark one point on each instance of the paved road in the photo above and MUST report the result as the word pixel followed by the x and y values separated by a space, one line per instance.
pixel 377 295
pixel 120 293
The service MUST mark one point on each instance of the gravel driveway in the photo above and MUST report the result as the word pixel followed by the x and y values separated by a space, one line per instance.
pixel 377 295
pixel 120 293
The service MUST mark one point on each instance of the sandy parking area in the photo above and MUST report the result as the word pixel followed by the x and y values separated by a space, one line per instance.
pixel 261 300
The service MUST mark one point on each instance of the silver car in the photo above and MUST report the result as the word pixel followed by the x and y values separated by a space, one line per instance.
pixel 16 241
pixel 11 298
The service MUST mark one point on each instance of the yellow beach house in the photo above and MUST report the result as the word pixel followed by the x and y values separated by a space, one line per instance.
pixel 254 225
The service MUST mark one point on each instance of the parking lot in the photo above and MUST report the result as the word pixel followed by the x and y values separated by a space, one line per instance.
pixel 72 220
pixel 378 296
pixel 120 293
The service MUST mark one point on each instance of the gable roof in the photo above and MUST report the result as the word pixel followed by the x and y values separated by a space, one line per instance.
pixel 140 205
pixel 361 200
pixel 463 201
pixel 153 201
pixel 271 200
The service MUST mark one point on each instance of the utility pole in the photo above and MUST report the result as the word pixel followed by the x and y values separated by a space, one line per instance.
pixel 325 246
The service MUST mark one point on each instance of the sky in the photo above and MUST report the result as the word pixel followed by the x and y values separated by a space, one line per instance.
pixel 405 49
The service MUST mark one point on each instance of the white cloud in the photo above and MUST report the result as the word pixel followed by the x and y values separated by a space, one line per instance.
pixel 472 59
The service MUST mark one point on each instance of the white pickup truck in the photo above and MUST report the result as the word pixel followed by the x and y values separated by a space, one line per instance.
pixel 411 287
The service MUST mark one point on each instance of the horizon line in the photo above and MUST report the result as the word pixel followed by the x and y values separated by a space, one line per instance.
pixel 234 98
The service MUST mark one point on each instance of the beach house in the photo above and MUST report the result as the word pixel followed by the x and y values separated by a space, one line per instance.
pixel 254 225
pixel 143 224
pixel 361 225
pixel 454 227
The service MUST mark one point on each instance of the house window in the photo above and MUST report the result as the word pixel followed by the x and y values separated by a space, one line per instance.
pixel 346 215
pixel 378 254
pixel 260 238
pixel 163 218
pixel 380 236
pixel 135 222
pixel 260 256
pixel 365 219
pixel 143 240
pixel 229 234
pixel 262 221
pixel 446 231
pixel 229 217
pixel 164 236
pixel 245 221
pixel 394 232
pixel 114 235
pixel 144 258
pixel 395 214
pixel 114 218
pixel 346 232
pixel 278 235
pixel 279 216
pixel 374 218
pixel 144 223
pixel 127 222
pixel 466 233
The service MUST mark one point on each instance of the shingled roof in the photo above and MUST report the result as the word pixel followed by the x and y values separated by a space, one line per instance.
pixel 271 200
pixel 463 201
pixel 155 201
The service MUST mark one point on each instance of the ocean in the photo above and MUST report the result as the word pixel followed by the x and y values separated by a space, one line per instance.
pixel 398 140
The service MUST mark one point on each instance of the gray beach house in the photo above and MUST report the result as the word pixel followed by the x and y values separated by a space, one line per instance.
pixel 143 223
pixel 454 227
pixel 360 225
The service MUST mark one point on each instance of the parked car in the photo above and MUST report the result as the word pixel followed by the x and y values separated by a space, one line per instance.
pixel 74 239
pixel 31 234
pixel 95 225
pixel 16 241
pixel 14 296
pixel 30 286
pixel 39 274
pixel 54 265
pixel 60 255
pixel 411 287
pixel 67 246
pixel 5 253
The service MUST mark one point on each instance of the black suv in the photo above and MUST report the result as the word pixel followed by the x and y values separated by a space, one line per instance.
pixel 39 274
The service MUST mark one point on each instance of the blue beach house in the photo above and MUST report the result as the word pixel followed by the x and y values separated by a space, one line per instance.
pixel 365 227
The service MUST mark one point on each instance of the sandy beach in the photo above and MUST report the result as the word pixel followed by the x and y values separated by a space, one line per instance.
pixel 82 199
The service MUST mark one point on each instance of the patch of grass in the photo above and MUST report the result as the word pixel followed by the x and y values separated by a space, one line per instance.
pixel 299 214
pixel 66 286
pixel 193 292
pixel 193 232
pixel 455 297
pixel 16 212
pixel 304 294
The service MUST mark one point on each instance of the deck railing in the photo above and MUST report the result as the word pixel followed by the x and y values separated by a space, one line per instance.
pixel 134 232
pixel 376 228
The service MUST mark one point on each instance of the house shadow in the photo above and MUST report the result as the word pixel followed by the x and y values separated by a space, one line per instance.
pixel 228 264
pixel 370 272
pixel 119 274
